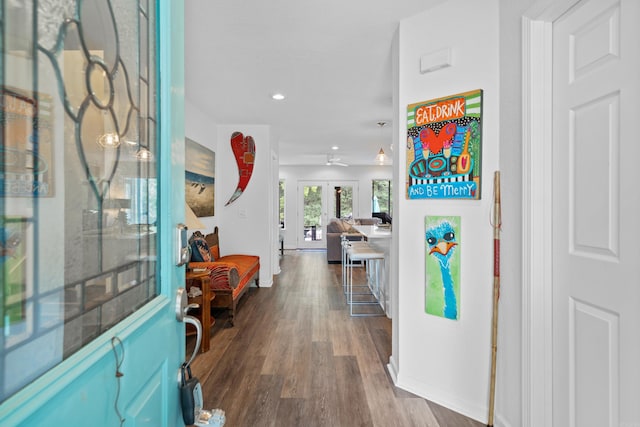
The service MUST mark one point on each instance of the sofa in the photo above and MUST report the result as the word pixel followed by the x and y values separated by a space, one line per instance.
pixel 231 275
pixel 336 228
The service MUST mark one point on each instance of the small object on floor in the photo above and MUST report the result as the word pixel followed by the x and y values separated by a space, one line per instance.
pixel 215 417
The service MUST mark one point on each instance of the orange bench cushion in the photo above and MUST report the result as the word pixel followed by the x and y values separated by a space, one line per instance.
pixel 247 265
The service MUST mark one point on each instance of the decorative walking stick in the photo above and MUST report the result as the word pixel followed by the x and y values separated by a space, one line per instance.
pixel 497 222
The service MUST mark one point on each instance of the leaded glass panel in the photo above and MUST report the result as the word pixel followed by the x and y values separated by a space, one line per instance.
pixel 77 179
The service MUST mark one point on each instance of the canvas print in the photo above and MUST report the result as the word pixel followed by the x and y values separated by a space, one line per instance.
pixel 444 143
pixel 200 174
pixel 442 243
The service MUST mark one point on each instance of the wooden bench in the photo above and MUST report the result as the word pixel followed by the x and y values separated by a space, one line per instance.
pixel 231 275
pixel 201 280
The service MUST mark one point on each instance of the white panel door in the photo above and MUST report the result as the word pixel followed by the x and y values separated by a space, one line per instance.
pixel 596 255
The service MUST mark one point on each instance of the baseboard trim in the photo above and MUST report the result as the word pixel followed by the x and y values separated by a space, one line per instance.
pixel 478 412
pixel 392 368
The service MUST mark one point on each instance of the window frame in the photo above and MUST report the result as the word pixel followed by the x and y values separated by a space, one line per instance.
pixel 282 203
pixel 389 205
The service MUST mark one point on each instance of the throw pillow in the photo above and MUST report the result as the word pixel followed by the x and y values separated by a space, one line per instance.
pixel 335 226
pixel 199 248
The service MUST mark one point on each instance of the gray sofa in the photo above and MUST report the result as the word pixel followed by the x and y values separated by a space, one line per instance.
pixel 334 231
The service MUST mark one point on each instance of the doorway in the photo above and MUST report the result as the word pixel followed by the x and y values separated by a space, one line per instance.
pixel 312 199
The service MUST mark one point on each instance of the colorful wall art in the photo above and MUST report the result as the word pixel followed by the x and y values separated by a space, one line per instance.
pixel 244 150
pixel 13 267
pixel 200 168
pixel 27 158
pixel 444 145
pixel 442 289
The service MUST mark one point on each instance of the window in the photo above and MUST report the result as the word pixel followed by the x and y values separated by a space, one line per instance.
pixel 143 195
pixel 281 188
pixel 381 196
pixel 343 201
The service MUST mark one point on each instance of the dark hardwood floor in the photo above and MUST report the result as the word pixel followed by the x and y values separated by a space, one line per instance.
pixel 296 358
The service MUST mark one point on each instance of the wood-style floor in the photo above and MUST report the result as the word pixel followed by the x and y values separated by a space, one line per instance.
pixel 296 358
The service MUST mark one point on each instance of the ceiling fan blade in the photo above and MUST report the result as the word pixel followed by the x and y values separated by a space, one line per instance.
pixel 332 160
pixel 336 163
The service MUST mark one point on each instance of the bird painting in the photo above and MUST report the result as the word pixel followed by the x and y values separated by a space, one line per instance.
pixel 442 241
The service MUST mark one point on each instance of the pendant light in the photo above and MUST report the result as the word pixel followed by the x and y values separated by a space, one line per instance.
pixel 381 157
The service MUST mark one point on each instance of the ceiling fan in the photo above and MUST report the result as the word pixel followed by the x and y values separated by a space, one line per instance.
pixel 332 160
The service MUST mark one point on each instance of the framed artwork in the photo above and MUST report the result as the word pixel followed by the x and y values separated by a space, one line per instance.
pixel 442 264
pixel 200 165
pixel 27 155
pixel 444 146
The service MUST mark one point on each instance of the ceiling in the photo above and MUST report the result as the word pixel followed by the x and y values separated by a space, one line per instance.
pixel 331 59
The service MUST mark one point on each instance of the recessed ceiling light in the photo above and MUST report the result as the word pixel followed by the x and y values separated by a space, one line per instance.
pixel 277 96
pixel 335 147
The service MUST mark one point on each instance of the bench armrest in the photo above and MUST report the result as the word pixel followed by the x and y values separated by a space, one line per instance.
pixel 224 275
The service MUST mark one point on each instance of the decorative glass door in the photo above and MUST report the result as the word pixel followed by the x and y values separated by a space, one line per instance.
pixel 82 298
pixel 319 201
pixel 312 196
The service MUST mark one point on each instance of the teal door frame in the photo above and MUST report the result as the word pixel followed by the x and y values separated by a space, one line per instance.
pixel 84 389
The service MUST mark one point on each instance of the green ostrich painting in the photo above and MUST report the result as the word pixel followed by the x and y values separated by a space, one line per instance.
pixel 442 242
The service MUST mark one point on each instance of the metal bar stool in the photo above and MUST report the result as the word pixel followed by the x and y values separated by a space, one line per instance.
pixel 374 261
pixel 346 262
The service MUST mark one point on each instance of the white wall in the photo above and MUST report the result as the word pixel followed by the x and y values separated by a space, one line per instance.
pixel 292 174
pixel 442 360
pixel 275 204
pixel 249 224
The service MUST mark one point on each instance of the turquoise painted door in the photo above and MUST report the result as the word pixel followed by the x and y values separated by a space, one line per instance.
pixel 92 189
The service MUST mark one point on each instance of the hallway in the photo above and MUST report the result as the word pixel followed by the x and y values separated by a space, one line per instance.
pixel 296 358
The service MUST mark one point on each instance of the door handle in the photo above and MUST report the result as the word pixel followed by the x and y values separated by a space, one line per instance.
pixel 181 304
pixel 196 323
pixel 190 389
pixel 182 308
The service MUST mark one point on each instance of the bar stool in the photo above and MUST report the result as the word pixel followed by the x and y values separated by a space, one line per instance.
pixel 346 245
pixel 374 261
